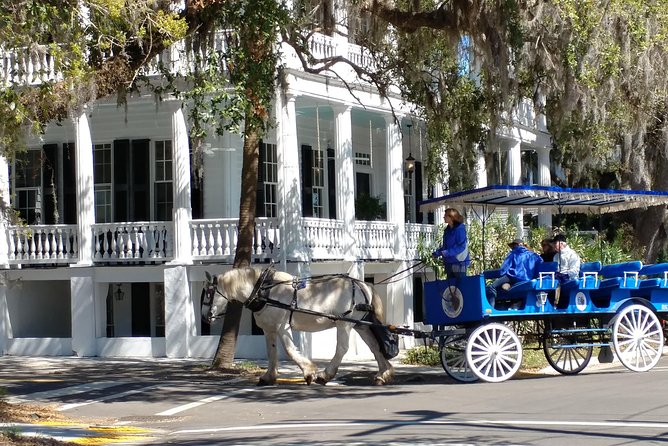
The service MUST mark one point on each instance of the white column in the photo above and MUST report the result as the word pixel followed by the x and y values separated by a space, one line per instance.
pixel 82 289
pixel 179 313
pixel 515 177
pixel 544 179
pixel 181 188
pixel 481 169
pixel 396 213
pixel 438 212
pixel 345 181
pixel 85 188
pixel 289 181
pixel 5 322
pixel 341 28
pixel 4 204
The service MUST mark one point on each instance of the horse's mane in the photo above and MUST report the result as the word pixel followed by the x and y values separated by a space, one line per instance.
pixel 239 282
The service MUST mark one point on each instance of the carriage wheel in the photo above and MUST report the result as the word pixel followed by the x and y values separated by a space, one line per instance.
pixel 494 352
pixel 453 359
pixel 637 337
pixel 566 360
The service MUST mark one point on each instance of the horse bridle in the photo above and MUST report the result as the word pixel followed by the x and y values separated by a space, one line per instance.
pixel 206 297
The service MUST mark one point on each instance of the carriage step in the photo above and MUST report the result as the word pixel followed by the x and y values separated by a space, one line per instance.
pixel 578 330
pixel 589 344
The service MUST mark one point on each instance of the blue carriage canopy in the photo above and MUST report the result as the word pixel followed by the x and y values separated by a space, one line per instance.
pixel 557 200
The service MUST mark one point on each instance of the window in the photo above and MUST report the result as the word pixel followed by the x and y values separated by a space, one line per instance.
pixel 28 186
pixel 163 190
pixel 529 167
pixel 362 159
pixel 408 194
pixel 318 184
pixel 103 182
pixel 497 167
pixel 270 175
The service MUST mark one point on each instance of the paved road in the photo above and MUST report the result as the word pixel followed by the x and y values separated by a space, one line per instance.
pixel 179 402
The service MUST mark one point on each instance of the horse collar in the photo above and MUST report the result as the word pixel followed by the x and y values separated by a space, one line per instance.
pixel 258 297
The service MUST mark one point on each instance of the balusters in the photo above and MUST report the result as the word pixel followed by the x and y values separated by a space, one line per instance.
pixel 12 244
pixel 219 240
pixel 194 237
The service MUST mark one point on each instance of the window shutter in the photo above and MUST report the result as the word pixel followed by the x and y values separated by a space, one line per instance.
pixel 307 180
pixel 259 206
pixel 331 183
pixel 140 183
pixel 69 184
pixel 418 190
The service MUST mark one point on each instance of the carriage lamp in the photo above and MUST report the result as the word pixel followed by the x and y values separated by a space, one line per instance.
pixel 410 161
pixel 119 292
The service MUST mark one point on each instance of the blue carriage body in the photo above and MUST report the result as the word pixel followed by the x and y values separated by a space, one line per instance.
pixel 463 300
pixel 613 306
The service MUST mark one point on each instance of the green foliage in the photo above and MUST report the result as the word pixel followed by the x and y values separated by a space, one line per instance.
pixel 427 355
pixel 488 245
pixel 370 208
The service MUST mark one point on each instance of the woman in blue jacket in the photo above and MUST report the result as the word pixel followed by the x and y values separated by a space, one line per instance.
pixel 455 248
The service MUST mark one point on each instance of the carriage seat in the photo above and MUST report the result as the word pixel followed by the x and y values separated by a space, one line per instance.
pixel 660 271
pixel 621 275
pixel 588 278
pixel 544 280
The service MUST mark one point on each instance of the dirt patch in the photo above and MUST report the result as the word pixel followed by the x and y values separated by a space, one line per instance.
pixel 28 413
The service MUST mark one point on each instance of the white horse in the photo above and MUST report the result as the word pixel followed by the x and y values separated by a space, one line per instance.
pixel 281 302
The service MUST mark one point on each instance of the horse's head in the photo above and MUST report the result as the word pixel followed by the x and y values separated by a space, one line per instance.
pixel 236 284
pixel 213 301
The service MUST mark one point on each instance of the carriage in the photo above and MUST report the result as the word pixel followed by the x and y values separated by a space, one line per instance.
pixel 620 307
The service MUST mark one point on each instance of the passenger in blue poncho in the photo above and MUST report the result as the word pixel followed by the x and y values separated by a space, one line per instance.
pixel 520 264
pixel 455 248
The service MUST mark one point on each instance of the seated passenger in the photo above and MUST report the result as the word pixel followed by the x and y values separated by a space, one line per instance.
pixel 547 250
pixel 519 265
pixel 568 261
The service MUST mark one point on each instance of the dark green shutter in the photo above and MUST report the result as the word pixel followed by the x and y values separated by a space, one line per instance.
pixel 69 198
pixel 307 181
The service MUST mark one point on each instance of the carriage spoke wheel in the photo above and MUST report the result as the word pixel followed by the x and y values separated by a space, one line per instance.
pixel 564 354
pixel 637 337
pixel 453 359
pixel 494 352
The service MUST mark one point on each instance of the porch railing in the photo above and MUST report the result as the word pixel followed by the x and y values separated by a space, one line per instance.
pixel 375 239
pixel 133 242
pixel 211 240
pixel 216 239
pixel 419 234
pixel 27 66
pixel 43 244
pixel 323 238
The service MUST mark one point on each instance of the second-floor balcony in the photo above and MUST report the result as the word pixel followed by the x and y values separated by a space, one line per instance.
pixel 211 240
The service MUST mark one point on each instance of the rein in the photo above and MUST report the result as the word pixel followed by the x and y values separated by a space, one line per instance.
pixel 386 280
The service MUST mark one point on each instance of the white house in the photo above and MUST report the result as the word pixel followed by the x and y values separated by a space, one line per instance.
pixel 118 237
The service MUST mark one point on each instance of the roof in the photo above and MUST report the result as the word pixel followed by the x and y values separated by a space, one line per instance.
pixel 558 200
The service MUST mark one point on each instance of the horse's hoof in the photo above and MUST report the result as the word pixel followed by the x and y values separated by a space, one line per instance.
pixel 321 380
pixel 262 382
pixel 309 379
pixel 379 382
